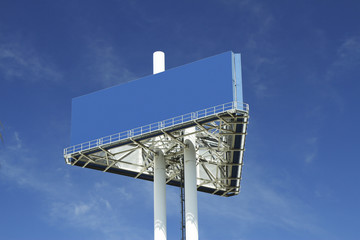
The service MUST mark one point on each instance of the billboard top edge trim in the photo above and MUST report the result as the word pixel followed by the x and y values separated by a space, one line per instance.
pixel 131 80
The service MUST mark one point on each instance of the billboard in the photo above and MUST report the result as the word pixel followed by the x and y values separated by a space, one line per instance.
pixel 117 129
pixel 191 87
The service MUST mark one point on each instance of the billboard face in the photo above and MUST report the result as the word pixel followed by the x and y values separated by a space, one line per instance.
pixel 198 85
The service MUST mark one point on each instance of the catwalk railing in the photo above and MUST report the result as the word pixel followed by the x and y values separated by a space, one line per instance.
pixel 157 126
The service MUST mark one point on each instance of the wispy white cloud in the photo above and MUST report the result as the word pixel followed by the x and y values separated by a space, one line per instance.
pixel 91 214
pixel 18 140
pixel 100 207
pixel 15 141
pixel 344 70
pixel 20 61
pixel 348 54
pixel 19 166
pixel 105 64
pixel 310 157
pixel 81 208
pixel 120 191
pixel 96 216
pixel 103 210
pixel 311 144
pixel 346 61
pixel 124 193
pixel 264 203
pixel 262 85
pixel 261 21
pixel 260 58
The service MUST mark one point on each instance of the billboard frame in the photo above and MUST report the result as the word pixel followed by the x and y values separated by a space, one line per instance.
pixel 221 128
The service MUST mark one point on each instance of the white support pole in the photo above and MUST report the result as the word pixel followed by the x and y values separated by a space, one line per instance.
pixel 159 197
pixel 191 209
pixel 158 62
pixel 159 171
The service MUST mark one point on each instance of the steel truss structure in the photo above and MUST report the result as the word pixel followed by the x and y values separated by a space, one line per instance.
pixel 218 133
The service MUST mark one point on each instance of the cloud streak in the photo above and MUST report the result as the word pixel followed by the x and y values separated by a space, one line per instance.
pixel 263 203
pixel 21 62
pixel 349 53
pixel 105 65
pixel 101 208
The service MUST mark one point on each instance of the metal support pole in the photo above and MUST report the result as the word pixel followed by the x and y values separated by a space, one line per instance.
pixel 159 197
pixel 191 209
pixel 158 62
pixel 159 170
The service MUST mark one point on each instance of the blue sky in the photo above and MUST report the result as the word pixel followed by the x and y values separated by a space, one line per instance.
pixel 301 71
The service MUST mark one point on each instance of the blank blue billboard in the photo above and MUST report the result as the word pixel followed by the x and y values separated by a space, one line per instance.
pixel 191 87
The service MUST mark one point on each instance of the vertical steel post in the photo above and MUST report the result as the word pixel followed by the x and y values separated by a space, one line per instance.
pixel 158 62
pixel 159 197
pixel 159 171
pixel 191 208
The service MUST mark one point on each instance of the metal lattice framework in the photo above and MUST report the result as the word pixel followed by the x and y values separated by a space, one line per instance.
pixel 218 133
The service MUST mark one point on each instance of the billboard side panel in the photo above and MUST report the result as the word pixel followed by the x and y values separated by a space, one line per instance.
pixel 198 85
pixel 238 77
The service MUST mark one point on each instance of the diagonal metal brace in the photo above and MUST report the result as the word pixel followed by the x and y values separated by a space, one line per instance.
pixel 143 146
pixel 173 138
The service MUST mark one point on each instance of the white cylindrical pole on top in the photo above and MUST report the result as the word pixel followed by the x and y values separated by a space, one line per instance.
pixel 191 208
pixel 159 171
pixel 159 62
pixel 159 197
